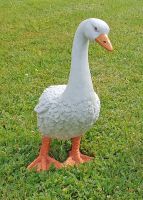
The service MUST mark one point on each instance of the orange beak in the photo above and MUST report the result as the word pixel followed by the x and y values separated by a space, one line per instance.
pixel 104 41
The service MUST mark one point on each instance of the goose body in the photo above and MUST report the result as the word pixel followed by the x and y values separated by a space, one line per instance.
pixel 64 118
pixel 68 111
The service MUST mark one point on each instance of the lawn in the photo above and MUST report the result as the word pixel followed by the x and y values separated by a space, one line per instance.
pixel 36 40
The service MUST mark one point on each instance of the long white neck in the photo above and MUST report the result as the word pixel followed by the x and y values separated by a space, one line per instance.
pixel 80 82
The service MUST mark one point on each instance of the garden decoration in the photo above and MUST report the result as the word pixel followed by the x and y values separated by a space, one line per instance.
pixel 68 111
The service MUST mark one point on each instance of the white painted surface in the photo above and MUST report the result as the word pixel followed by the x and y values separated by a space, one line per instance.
pixel 67 111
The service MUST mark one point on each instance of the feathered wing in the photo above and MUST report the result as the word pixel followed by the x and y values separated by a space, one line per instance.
pixel 48 97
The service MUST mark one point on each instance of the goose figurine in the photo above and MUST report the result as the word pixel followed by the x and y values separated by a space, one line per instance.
pixel 68 111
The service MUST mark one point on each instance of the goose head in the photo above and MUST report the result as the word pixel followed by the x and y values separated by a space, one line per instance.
pixel 97 30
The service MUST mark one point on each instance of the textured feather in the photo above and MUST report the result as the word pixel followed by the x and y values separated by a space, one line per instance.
pixel 63 118
pixel 48 97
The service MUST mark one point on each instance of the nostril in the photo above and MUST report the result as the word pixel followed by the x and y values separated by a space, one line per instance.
pixel 104 41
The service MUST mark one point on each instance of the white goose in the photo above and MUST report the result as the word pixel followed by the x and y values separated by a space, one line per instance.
pixel 68 111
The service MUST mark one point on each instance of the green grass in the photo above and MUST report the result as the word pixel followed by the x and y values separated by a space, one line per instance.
pixel 36 39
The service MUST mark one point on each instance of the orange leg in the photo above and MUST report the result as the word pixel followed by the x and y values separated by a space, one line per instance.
pixel 43 161
pixel 75 157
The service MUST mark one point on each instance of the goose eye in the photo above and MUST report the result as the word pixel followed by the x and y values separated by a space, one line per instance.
pixel 95 28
